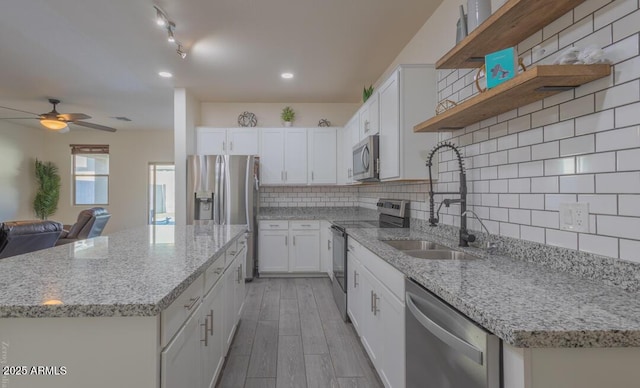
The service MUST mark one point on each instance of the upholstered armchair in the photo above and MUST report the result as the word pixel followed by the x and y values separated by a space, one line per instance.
pixel 18 237
pixel 90 223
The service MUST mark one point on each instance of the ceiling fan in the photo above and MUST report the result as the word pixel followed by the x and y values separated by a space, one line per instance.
pixel 58 121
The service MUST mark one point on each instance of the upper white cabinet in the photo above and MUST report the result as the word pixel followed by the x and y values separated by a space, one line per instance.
pixel 272 156
pixel 222 141
pixel 369 118
pixel 283 156
pixel 322 156
pixel 295 156
pixel 349 137
pixel 406 98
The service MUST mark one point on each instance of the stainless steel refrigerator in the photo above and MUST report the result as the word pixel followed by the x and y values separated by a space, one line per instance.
pixel 224 189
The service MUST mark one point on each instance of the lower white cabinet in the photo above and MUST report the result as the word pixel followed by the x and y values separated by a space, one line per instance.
pixel 212 317
pixel 289 246
pixel 326 250
pixel 181 365
pixel 377 311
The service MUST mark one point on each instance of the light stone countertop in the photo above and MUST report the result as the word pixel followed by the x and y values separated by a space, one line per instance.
pixel 525 304
pixel 134 272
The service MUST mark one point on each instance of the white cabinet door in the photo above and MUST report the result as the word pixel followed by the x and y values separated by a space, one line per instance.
pixel 272 156
pixel 305 251
pixel 363 120
pixel 369 117
pixel 389 96
pixel 355 300
pixel 372 334
pixel 273 251
pixel 393 334
pixel 230 279
pixel 240 285
pixel 181 358
pixel 326 251
pixel 211 141
pixel 242 141
pixel 295 156
pixel 212 351
pixel 349 133
pixel 323 155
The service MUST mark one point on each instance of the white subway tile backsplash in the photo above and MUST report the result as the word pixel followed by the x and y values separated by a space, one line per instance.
pixel 545 151
pixel 480 135
pixel 519 124
pixel 630 250
pixel 507 142
pixel 558 98
pixel 594 86
pixel 529 108
pixel 499 214
pixel 578 107
pixel 613 12
pixel 598 245
pixel 520 216
pixel 618 139
pixel 618 95
pixel 509 200
pixel 498 130
pixel 604 162
pixel 532 136
pixel 532 233
pixel 577 145
pixel 489 173
pixel 628 160
pixel 509 230
pixel 531 169
pixel 626 26
pixel 622 50
pixel 599 38
pixel 530 42
pixel 480 161
pixel 490 200
pixel 553 201
pixel 532 201
pixel 627 71
pixel 488 146
pixel 561 238
pixel 558 25
pixel 497 158
pixel 625 227
pixel 559 130
pixel 597 122
pixel 578 30
pixel 545 116
pixel 588 7
pixel 577 184
pixel 499 186
pixel 506 116
pixel 522 154
pixel 545 219
pixel 629 114
pixel 562 166
pixel 508 171
pixel 629 205
pixel 600 204
pixel 522 185
pixel 544 185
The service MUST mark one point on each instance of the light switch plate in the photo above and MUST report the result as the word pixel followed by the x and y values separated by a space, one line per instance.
pixel 574 217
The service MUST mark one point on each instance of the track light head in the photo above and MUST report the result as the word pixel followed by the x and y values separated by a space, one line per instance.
pixel 161 18
pixel 181 52
pixel 170 37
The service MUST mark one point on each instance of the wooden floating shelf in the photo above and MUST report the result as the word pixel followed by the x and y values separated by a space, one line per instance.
pixel 512 23
pixel 532 85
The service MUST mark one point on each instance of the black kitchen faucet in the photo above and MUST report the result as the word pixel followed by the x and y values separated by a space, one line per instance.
pixel 465 236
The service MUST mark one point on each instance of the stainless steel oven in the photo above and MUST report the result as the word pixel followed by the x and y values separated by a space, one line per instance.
pixel 340 268
pixel 366 160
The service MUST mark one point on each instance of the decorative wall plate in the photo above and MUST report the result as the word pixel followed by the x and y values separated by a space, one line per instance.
pixel 324 123
pixel 247 119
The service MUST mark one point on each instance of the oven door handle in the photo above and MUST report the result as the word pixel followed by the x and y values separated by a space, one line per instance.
pixel 458 344
pixel 337 230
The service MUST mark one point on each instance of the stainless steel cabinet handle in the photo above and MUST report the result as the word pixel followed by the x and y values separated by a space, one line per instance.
pixel 286 240
pixel 286 175
pixel 378 166
pixel 366 126
pixel 445 336
pixel 238 274
pixel 311 175
pixel 205 325
pixel 306 225
pixel 274 225
pixel 351 249
pixel 328 245
pixel 231 146
pixel 371 300
pixel 294 240
pixel 218 271
pixel 282 176
pixel 224 146
pixel 355 279
pixel 210 317
pixel 192 303
pixel 376 298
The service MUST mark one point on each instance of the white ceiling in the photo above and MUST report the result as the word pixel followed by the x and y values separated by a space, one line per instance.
pixel 102 57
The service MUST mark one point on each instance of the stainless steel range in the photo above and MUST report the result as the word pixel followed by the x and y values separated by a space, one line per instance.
pixel 392 213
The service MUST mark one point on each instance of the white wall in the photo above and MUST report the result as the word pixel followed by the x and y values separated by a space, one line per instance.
pixel 130 153
pixel 19 147
pixel 186 111
pixel 268 114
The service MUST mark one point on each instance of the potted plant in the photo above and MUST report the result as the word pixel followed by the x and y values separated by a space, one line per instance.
pixel 366 93
pixel 288 115
pixel 45 203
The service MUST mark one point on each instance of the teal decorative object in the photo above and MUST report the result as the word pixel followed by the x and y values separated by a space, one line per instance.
pixel 500 66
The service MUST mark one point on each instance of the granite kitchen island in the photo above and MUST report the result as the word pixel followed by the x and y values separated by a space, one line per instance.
pixel 109 311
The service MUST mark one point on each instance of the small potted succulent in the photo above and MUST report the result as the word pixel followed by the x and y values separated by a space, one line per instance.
pixel 288 115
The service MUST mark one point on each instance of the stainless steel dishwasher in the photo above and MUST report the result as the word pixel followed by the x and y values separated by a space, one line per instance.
pixel 444 349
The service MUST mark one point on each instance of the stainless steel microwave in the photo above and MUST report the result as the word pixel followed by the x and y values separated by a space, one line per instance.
pixel 366 161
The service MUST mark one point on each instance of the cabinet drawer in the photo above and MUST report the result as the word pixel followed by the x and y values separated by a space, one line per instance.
pixel 274 225
pixel 213 273
pixel 392 278
pixel 305 225
pixel 231 253
pixel 177 313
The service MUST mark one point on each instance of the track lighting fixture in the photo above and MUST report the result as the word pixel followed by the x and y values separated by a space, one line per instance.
pixel 161 17
pixel 181 52
pixel 163 21
pixel 170 38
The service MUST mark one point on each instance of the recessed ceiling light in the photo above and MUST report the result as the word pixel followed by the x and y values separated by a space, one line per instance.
pixel 165 74
pixel 286 75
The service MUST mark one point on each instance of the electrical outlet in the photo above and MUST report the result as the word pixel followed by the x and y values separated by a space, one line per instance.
pixel 574 217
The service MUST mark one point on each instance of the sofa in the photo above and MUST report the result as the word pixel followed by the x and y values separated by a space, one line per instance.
pixel 90 223
pixel 18 237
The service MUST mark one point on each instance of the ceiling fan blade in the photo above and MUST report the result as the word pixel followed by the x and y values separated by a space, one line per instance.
pixel 19 118
pixel 73 116
pixel 18 110
pixel 94 126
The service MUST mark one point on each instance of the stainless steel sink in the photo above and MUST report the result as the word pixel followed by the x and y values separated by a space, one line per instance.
pixel 428 250
pixel 414 245
pixel 440 255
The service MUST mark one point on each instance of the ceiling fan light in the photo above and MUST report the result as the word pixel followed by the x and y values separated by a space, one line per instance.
pixel 54 125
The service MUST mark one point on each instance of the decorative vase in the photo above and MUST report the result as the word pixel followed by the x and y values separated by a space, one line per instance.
pixel 477 12
pixel 461 27
pixel 287 123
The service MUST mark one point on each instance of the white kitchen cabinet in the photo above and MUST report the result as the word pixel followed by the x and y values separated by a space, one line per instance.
pixel 322 155
pixel 355 300
pixel 229 280
pixel 226 141
pixel 240 291
pixel 283 156
pixel 391 312
pixel 212 351
pixel 368 117
pixel 371 324
pixel 289 247
pixel 408 97
pixel 326 249
pixel 181 365
pixel 348 138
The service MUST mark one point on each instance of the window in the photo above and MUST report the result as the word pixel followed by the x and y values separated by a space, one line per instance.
pixel 162 194
pixel 90 174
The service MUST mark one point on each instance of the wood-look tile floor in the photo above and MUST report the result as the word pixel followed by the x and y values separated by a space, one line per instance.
pixel 291 335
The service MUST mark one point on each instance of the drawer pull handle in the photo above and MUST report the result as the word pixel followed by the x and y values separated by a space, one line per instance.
pixel 193 303
pixel 210 317
pixel 351 248
pixel 205 325
pixel 376 298
pixel 306 225
pixel 372 300
pixel 218 271
pixel 355 279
